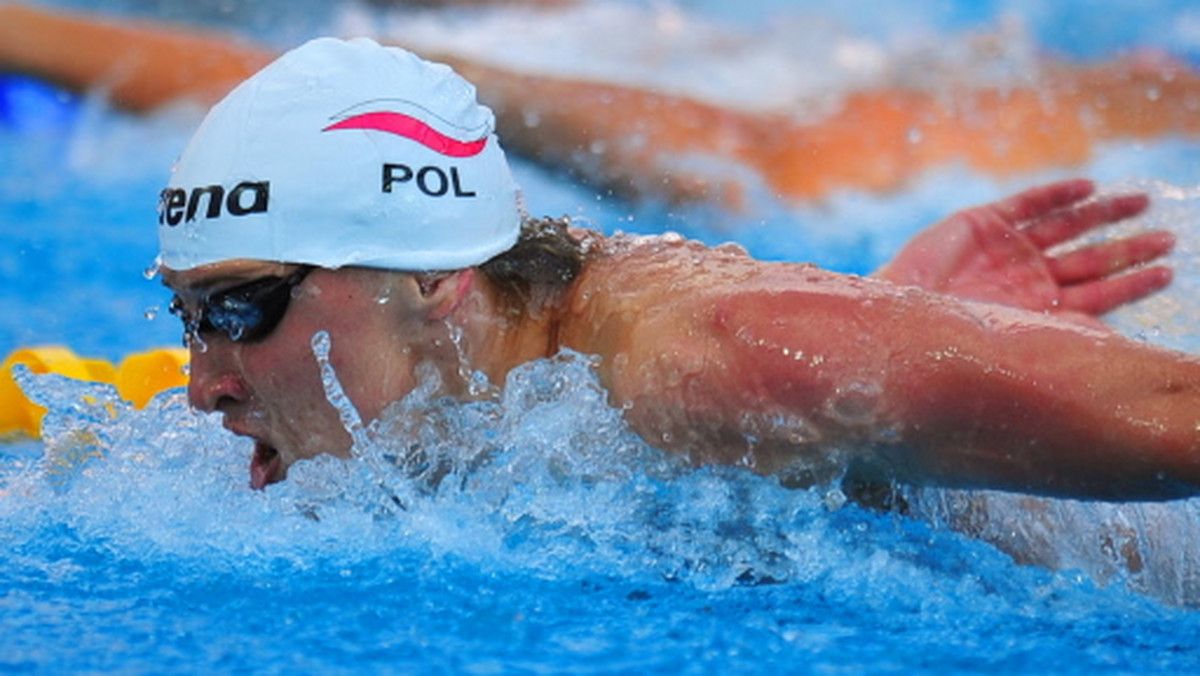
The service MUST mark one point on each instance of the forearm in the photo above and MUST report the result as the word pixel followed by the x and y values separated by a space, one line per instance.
pixel 932 391
pixel 141 66
pixel 1054 412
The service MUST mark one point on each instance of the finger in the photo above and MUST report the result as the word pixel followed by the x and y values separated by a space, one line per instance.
pixel 1068 224
pixel 1039 201
pixel 1103 260
pixel 1099 297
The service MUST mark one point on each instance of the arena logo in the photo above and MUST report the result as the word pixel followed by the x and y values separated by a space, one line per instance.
pixel 177 205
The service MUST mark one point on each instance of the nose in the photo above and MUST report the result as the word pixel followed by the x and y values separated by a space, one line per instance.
pixel 215 383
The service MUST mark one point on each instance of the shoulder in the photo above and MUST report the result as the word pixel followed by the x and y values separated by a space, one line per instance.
pixel 628 279
pixel 643 268
pixel 641 275
pixel 666 304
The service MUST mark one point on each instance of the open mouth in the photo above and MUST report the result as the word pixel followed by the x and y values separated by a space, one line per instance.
pixel 266 467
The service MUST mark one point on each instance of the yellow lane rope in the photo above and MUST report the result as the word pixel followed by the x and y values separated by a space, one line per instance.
pixel 138 377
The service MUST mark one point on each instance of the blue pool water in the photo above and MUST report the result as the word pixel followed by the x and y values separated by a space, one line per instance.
pixel 131 544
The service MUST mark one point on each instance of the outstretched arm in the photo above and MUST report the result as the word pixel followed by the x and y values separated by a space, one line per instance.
pixel 632 140
pixel 1006 252
pixel 795 371
pixel 638 142
pixel 647 143
pixel 141 65
pixel 651 143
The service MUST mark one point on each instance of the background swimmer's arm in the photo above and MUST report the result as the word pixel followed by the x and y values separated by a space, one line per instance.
pixel 1005 253
pixel 668 145
pixel 917 386
pixel 140 65
pixel 633 141
pixel 642 142
pixel 638 142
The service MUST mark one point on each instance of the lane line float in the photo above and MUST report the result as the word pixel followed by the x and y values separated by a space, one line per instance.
pixel 138 377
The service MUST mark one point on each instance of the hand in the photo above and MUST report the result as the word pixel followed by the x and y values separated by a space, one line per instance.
pixel 998 253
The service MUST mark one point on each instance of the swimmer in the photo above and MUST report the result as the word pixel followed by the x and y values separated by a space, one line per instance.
pixel 866 143
pixel 359 191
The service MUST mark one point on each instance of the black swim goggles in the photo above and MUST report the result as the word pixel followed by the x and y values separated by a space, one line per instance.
pixel 245 313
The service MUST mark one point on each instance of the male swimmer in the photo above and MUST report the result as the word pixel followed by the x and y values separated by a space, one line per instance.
pixel 360 191
pixel 637 137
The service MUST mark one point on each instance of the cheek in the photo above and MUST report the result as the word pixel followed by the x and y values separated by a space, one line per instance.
pixel 287 373
pixel 374 382
pixel 373 359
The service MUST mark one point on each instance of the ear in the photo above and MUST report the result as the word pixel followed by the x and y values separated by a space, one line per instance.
pixel 443 293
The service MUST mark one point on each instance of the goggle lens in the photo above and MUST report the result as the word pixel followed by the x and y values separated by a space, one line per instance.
pixel 245 313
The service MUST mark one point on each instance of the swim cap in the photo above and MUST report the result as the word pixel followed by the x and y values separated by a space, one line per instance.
pixel 343 153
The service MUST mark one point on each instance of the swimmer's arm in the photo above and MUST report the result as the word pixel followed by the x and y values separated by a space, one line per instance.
pixel 628 139
pixel 650 142
pixel 636 141
pixel 140 65
pixel 644 142
pixel 919 388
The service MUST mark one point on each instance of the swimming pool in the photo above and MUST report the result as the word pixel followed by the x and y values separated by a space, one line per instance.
pixel 576 548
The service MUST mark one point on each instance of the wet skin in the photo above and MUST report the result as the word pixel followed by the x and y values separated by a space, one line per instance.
pixel 777 367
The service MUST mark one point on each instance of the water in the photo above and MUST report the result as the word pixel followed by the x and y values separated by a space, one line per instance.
pixel 532 532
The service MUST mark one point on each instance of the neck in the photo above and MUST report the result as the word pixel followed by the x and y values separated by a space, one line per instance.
pixel 497 338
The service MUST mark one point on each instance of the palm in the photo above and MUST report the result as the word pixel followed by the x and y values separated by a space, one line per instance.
pixel 999 253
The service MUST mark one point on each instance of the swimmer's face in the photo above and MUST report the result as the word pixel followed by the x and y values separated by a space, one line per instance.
pixel 265 379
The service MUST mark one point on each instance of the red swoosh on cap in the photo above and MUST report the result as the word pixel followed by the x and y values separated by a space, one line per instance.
pixel 412 128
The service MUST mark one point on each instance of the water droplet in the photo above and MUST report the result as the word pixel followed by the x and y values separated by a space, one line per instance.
pixel 335 394
pixel 152 271
pixel 478 384
pixel 834 499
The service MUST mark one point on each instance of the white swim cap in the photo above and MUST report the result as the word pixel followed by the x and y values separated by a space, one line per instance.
pixel 343 153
